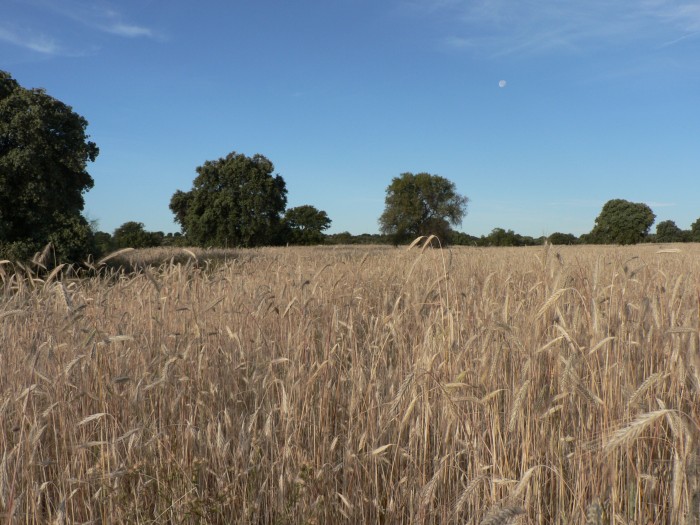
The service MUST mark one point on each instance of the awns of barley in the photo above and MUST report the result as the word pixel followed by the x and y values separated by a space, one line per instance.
pixel 502 516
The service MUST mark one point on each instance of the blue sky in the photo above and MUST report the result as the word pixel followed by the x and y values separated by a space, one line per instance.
pixel 601 101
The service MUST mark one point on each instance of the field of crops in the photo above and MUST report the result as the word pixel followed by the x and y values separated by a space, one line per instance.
pixel 547 385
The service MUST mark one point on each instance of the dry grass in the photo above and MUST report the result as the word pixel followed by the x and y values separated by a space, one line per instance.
pixel 349 385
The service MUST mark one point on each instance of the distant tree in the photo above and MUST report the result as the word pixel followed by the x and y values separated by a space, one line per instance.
pixel 340 238
pixel 174 239
pixel 103 243
pixel 421 204
pixel 562 238
pixel 234 201
pixel 463 239
pixel 695 231
pixel 134 235
pixel 44 151
pixel 306 224
pixel 371 238
pixel 621 222
pixel 501 237
pixel 667 231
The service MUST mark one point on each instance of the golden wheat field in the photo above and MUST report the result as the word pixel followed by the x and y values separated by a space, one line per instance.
pixel 547 385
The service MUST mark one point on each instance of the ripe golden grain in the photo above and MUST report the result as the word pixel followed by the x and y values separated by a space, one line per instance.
pixel 352 385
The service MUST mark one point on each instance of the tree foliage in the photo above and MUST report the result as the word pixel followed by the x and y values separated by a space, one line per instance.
pixel 306 224
pixel 668 231
pixel 694 235
pixel 234 201
pixel 133 234
pixel 621 222
pixel 562 238
pixel 421 204
pixel 44 151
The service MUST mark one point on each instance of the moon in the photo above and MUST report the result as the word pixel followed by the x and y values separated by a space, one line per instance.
pixel 502 83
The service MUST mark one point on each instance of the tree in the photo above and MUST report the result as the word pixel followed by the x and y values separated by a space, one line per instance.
pixel 305 224
pixel 44 151
pixel 695 231
pixel 501 237
pixel 463 239
pixel 562 238
pixel 621 222
pixel 134 235
pixel 421 204
pixel 667 231
pixel 103 243
pixel 234 201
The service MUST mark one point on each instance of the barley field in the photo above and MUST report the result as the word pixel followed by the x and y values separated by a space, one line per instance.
pixel 546 385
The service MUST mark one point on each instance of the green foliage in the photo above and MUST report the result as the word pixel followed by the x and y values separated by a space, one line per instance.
pixel 464 239
pixel 174 239
pixel 501 237
pixel 134 235
pixel 305 225
pixel 695 231
pixel 340 238
pixel 421 204
pixel 234 201
pixel 103 243
pixel 563 238
pixel 44 153
pixel 363 238
pixel 621 222
pixel 667 231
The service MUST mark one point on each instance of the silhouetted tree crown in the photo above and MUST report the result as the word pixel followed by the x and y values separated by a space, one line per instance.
pixel 44 151
pixel 562 238
pixel 235 201
pixel 695 231
pixel 133 234
pixel 621 222
pixel 667 231
pixel 306 224
pixel 421 204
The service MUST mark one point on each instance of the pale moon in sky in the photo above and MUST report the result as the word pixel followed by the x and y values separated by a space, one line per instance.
pixel 501 83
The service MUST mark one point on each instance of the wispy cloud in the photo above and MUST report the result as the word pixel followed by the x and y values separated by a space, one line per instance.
pixel 38 43
pixel 98 16
pixel 501 27
pixel 127 30
pixel 68 27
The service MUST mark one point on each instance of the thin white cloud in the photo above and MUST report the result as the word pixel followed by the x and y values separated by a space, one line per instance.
pixel 127 30
pixel 501 27
pixel 96 15
pixel 38 43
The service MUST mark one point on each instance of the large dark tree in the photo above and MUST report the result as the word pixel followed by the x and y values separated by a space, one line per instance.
pixel 621 222
pixel 306 224
pixel 234 201
pixel 44 153
pixel 668 231
pixel 562 238
pixel 133 234
pixel 421 204
pixel 695 231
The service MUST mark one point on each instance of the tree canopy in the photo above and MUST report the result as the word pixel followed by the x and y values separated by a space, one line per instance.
pixel 44 151
pixel 562 238
pixel 694 235
pixel 668 231
pixel 621 222
pixel 306 224
pixel 133 234
pixel 421 204
pixel 235 201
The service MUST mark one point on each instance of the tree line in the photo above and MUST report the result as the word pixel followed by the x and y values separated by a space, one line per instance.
pixel 234 201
